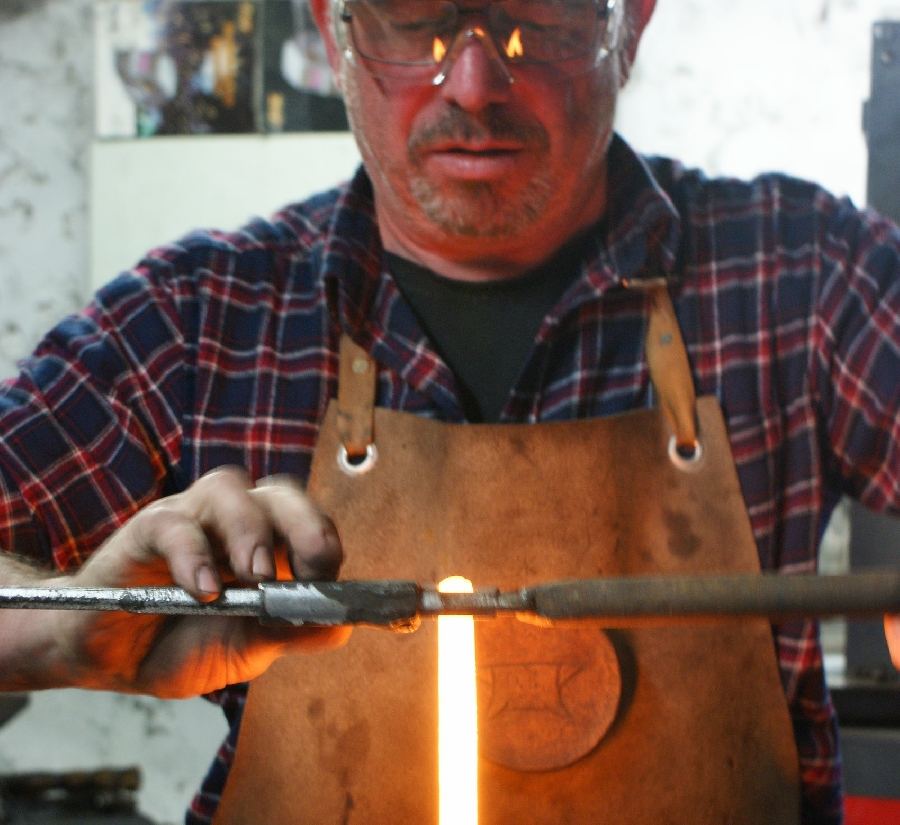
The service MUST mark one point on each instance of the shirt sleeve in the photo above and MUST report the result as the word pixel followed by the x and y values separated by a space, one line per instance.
pixel 92 426
pixel 855 370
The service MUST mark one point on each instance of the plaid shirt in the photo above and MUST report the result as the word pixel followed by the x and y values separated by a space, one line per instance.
pixel 222 349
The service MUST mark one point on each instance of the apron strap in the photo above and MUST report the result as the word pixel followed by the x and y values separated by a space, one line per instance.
pixel 356 398
pixel 670 371
pixel 667 359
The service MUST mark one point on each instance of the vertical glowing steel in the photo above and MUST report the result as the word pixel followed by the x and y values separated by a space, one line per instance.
pixel 457 714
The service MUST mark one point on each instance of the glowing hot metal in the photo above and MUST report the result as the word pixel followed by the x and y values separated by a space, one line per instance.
pixel 457 714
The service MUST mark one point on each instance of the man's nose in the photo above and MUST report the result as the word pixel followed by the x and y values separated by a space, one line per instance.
pixel 474 75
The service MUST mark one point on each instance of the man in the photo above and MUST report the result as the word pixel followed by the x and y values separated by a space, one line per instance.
pixel 492 183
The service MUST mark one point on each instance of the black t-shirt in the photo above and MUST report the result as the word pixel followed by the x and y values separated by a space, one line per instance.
pixel 485 331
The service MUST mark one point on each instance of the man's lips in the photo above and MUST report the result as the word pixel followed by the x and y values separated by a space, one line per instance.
pixel 474 148
pixel 474 161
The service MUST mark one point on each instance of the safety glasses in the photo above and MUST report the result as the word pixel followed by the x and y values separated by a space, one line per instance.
pixel 417 40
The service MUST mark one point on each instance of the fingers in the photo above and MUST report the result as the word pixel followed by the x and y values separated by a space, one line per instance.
pixel 246 520
pixel 159 545
pixel 220 522
pixel 166 532
pixel 199 656
pixel 234 521
pixel 314 548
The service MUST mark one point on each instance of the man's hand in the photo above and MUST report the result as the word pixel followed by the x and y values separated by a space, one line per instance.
pixel 221 529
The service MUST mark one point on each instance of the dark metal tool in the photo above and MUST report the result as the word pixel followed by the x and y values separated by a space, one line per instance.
pixel 401 604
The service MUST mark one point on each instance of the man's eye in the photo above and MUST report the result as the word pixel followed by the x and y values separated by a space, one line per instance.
pixel 535 28
pixel 434 24
pixel 434 20
pixel 413 26
pixel 547 14
pixel 410 11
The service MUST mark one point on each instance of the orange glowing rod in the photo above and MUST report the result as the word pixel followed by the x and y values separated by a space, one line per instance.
pixel 457 714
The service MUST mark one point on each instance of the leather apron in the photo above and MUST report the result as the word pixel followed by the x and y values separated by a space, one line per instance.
pixel 577 725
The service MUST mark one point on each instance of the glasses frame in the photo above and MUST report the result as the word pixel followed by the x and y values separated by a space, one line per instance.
pixel 612 10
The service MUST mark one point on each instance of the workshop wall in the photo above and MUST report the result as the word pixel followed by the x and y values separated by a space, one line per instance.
pixel 45 131
pixel 747 86
pixel 734 87
pixel 45 117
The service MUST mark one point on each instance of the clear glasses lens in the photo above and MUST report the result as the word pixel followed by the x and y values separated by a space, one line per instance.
pixel 399 31
pixel 419 33
pixel 541 31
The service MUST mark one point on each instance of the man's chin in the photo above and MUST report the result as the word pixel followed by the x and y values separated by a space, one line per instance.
pixel 478 209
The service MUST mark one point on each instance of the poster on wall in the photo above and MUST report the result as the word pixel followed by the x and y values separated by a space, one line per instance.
pixel 195 67
pixel 299 91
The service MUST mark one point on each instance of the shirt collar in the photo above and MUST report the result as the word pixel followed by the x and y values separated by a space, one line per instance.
pixel 643 232
pixel 643 226
pixel 365 302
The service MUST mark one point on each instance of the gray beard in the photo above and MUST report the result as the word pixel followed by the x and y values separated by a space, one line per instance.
pixel 479 209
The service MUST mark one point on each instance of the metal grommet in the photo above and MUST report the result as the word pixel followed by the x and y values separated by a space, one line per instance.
pixel 687 464
pixel 360 467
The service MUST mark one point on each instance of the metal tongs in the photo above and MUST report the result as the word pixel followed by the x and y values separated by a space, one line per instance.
pixel 400 605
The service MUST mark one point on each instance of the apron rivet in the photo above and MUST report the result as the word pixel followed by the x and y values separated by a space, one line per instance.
pixel 357 466
pixel 360 366
pixel 665 339
pixel 687 462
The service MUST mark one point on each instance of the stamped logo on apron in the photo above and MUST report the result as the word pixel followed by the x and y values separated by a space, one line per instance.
pixel 546 698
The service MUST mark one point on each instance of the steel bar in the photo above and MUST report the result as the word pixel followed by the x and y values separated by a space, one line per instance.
pixel 160 600
pixel 479 603
pixel 399 604
pixel 628 600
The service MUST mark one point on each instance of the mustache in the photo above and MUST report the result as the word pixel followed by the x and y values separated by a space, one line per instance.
pixel 493 123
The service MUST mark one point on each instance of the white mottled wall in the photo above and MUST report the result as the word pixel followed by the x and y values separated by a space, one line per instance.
pixel 739 87
pixel 45 108
pixel 734 86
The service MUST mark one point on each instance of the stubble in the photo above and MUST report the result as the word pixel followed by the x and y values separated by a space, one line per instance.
pixel 480 209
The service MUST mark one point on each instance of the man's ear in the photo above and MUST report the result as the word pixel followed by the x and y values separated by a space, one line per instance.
pixel 321 11
pixel 644 12
pixel 638 13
